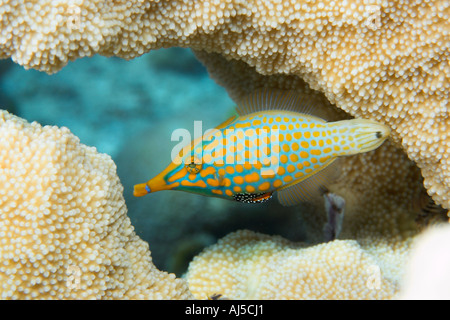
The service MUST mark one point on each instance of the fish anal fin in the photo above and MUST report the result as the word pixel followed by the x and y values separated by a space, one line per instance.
pixel 303 190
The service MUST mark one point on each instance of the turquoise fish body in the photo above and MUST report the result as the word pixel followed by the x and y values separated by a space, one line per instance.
pixel 251 156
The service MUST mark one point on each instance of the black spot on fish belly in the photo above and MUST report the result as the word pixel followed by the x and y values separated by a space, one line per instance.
pixel 253 197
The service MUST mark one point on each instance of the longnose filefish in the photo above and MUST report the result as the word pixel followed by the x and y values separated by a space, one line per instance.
pixel 275 143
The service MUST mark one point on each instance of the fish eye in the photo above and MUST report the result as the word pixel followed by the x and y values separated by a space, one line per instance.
pixel 193 165
pixel 378 134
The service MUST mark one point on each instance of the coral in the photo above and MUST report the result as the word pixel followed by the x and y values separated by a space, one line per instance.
pixel 427 271
pixel 384 60
pixel 64 231
pixel 248 265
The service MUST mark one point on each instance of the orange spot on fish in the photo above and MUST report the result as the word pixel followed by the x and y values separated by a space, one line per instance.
pixel 298 174
pixel 268 174
pixel 207 158
pixel 226 182
pixel 274 160
pixel 304 154
pixel 253 177
pixel 264 186
pixel 212 182
pixel 283 158
pixel 277 183
pixel 229 159
pixel 199 183
pixel 229 169
pixel 238 180
pixel 178 175
pixel 207 171
pixel 249 132
pixel 241 125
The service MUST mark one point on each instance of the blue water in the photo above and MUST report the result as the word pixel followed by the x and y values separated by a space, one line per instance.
pixel 128 109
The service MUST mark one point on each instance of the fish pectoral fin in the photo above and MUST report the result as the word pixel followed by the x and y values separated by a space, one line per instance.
pixel 253 197
pixel 220 179
pixel 303 190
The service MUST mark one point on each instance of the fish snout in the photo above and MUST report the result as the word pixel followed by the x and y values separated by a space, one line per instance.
pixel 153 185
pixel 383 132
pixel 370 135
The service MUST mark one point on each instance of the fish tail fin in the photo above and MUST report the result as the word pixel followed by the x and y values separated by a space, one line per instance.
pixel 141 190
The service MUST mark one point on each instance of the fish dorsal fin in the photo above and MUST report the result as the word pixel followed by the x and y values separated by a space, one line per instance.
pixel 266 99
pixel 303 190
pixel 227 122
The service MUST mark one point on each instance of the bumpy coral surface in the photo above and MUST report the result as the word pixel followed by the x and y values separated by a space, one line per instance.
pixel 64 232
pixel 384 60
pixel 248 265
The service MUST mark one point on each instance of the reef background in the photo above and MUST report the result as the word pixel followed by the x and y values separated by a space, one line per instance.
pixel 129 109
